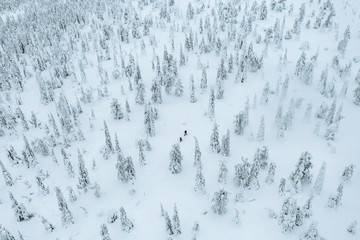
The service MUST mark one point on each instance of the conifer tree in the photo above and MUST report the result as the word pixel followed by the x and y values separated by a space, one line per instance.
pixel 176 222
pixel 141 155
pixel 211 108
pixel 223 171
pixel 84 180
pixel 7 177
pixel 149 120
pixel 5 234
pixel 352 227
pixel 282 186
pixel 47 225
pixel 312 233
pixel 66 216
pixel 168 225
pixel 67 164
pixel 242 173
pixel 271 173
pixel 12 156
pixel 126 170
pixel 287 217
pixel 193 98
pixel 214 140
pixel 225 144
pixel 220 200
pixel 203 82
pixel 104 232
pixel 334 200
pixel 197 153
pixel 108 143
pixel 116 109
pixel 199 179
pixel 156 96
pixel 265 93
pixel 126 224
pixel 240 123
pixel 347 173
pixel 20 211
pixel 302 176
pixel 175 159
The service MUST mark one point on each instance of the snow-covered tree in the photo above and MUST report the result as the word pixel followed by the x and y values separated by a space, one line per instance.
pixel 126 223
pixel 104 232
pixel 312 233
pixel 84 180
pixel 214 140
pixel 126 170
pixel 223 171
pixel 225 144
pixel 197 153
pixel 287 217
pixel 334 200
pixel 66 216
pixel 271 173
pixel 220 201
pixel 175 159
pixel 116 109
pixel 176 222
pixel 7 176
pixel 302 175
pixel 211 108
pixel 20 211
pixel 347 173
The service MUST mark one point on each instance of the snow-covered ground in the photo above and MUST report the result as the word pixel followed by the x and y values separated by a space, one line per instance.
pixel 155 185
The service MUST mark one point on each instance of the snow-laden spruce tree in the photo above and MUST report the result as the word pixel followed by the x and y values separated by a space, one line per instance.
pixel 104 232
pixel 108 144
pixel 240 123
pixel 211 107
pixel 126 223
pixel 302 175
pixel 193 98
pixel 271 173
pixel 199 179
pixel 21 214
pixel 149 120
pixel 126 170
pixel 225 144
pixel 287 217
pixel 347 173
pixel 223 171
pixel 214 140
pixel 242 173
pixel 334 200
pixel 176 222
pixel 116 109
pixel 175 159
pixel 156 95
pixel 84 181
pixel 168 225
pixel 220 201
pixel 197 153
pixel 262 156
pixel 5 234
pixel 66 216
pixel 49 227
pixel 203 81
pixel 312 233
pixel 7 176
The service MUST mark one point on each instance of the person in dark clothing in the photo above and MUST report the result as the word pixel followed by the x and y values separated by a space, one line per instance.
pixel 185 133
pixel 180 139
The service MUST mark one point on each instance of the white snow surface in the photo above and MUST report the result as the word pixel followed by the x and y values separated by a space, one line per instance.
pixel 155 184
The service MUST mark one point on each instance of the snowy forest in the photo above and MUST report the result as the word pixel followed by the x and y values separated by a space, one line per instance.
pixel 178 119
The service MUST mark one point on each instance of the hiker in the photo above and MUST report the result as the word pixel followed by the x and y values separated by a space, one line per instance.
pixel 180 139
pixel 185 133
